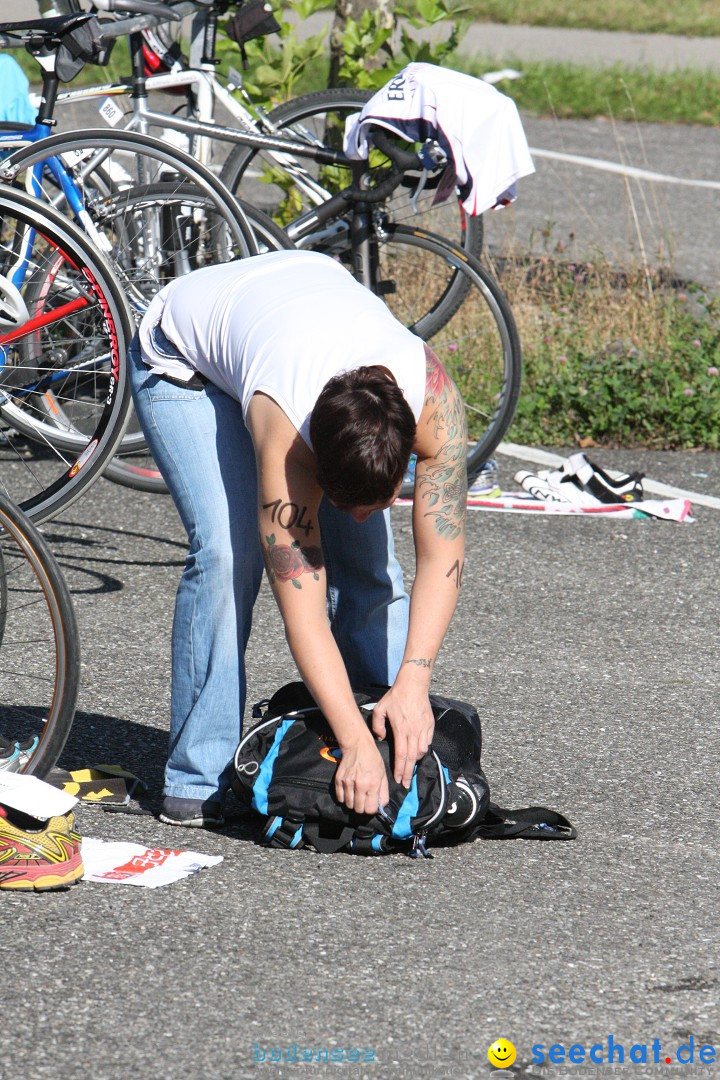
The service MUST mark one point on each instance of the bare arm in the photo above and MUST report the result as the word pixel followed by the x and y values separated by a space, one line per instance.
pixel 439 533
pixel 288 501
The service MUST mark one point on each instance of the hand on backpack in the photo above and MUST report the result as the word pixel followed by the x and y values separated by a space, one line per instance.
pixel 407 708
pixel 360 780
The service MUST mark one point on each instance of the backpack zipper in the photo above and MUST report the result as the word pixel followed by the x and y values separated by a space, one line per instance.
pixel 266 723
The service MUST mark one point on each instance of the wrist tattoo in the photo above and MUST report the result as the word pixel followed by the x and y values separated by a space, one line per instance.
pixel 420 662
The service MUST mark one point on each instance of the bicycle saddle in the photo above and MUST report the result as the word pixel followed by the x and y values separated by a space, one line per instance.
pixel 56 27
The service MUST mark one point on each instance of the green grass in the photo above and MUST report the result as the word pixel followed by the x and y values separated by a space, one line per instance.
pixel 616 357
pixel 566 90
pixel 698 18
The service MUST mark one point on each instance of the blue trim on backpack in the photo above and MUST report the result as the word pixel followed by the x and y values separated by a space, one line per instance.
pixel 274 826
pixel 377 842
pixel 262 784
pixel 296 838
pixel 402 829
pixel 446 773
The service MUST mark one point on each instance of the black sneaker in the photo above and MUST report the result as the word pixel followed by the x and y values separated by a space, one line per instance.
pixel 607 487
pixel 192 813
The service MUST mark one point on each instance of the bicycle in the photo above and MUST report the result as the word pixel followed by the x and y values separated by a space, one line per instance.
pixel 39 648
pixel 483 355
pixel 65 327
pixel 85 177
pixel 154 230
pixel 258 133
pixel 159 65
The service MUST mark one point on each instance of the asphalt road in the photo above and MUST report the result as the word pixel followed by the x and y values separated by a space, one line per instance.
pixel 590 649
pixel 591 212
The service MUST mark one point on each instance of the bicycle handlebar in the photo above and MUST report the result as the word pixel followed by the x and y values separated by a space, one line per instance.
pixel 403 159
pixel 154 17
pixel 403 162
pixel 140 7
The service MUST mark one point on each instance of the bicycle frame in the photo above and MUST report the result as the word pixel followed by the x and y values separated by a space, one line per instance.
pixel 72 194
pixel 207 93
pixel 327 219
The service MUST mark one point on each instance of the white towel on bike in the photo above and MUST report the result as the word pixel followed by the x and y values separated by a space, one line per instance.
pixel 478 128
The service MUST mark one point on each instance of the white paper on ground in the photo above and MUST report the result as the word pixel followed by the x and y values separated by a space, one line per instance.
pixel 135 864
pixel 33 796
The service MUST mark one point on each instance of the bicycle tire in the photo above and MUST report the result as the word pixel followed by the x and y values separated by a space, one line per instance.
pixel 319 118
pixel 123 160
pixel 40 648
pixel 77 337
pixel 478 345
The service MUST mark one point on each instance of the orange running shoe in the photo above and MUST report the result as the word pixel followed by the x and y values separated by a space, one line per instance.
pixel 39 855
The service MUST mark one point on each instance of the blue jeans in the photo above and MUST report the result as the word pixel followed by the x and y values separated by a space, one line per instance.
pixel 204 452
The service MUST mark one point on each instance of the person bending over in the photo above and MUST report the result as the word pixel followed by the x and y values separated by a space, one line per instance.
pixel 281 401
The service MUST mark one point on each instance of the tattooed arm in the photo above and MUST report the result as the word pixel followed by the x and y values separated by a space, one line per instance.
pixel 288 501
pixel 439 533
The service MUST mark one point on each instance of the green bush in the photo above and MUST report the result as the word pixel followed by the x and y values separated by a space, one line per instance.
pixel 372 50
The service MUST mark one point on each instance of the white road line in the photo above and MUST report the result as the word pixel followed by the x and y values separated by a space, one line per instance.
pixel 623 170
pixel 544 457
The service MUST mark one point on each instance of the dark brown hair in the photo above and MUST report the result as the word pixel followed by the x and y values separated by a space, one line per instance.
pixel 362 432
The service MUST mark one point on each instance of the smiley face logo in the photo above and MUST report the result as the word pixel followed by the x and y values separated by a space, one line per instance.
pixel 501 1054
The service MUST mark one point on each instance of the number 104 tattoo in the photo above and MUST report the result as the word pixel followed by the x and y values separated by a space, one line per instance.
pixel 289 515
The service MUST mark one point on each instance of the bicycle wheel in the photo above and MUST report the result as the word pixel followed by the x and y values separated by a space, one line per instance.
pixel 133 465
pixel 73 347
pixel 39 650
pixel 96 165
pixel 319 120
pixel 478 345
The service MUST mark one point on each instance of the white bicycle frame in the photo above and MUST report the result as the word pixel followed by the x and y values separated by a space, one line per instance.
pixel 208 93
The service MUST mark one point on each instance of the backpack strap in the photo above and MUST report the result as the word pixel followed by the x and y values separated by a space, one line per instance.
pixel 327 845
pixel 530 823
pixel 282 833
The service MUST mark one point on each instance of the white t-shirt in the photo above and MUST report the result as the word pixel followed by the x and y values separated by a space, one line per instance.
pixel 478 128
pixel 283 323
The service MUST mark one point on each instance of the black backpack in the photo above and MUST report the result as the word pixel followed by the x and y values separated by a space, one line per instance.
pixel 285 770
